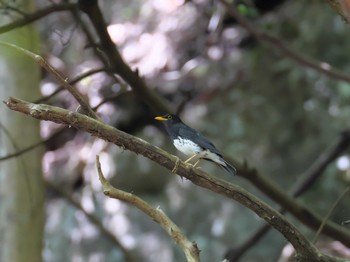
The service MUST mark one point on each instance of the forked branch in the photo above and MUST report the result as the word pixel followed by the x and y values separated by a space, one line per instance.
pixel 305 250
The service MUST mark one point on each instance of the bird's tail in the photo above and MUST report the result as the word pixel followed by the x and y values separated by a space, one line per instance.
pixel 229 168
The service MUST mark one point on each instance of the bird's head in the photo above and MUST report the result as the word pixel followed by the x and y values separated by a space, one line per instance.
pixel 168 117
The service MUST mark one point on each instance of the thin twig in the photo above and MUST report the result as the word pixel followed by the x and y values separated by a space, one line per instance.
pixel 33 146
pixel 72 82
pixel 29 18
pixel 91 43
pixel 45 98
pixel 7 7
pixel 329 214
pixel 116 62
pixel 317 168
pixel 21 162
pixel 22 151
pixel 189 248
pixel 42 62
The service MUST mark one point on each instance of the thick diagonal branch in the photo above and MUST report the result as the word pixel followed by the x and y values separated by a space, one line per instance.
pixel 305 250
pixel 307 179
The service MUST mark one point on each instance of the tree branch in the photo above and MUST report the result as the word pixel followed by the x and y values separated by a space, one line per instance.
pixel 305 250
pixel 93 219
pixel 58 132
pixel 294 207
pixel 316 169
pixel 329 214
pixel 71 82
pixel 27 19
pixel 307 179
pixel 341 7
pixel 43 63
pixel 322 67
pixel 118 65
pixel 189 248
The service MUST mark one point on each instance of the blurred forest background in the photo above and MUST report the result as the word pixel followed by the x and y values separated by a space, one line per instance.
pixel 257 103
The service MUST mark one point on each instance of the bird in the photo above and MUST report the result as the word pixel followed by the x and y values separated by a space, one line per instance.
pixel 191 143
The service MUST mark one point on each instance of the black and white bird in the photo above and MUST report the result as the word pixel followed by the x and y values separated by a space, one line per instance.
pixel 190 142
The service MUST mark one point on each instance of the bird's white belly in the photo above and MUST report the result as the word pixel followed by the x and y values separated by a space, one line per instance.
pixel 186 146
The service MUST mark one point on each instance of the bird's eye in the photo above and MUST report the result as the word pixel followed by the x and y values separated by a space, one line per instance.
pixel 170 116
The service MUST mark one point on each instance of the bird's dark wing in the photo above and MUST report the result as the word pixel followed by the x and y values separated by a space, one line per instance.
pixel 198 138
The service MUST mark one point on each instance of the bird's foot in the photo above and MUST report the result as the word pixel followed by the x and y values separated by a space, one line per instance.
pixel 196 167
pixel 177 163
pixel 189 159
pixel 195 164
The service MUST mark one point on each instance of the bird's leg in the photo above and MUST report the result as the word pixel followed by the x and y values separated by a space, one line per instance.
pixel 188 160
pixel 195 164
pixel 177 163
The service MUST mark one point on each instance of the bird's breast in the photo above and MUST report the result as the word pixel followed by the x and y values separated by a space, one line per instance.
pixel 186 146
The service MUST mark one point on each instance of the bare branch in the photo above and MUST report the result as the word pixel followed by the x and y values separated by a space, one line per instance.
pixel 22 151
pixel 92 43
pixel 307 179
pixel 45 98
pixel 329 213
pixel 341 7
pixel 317 168
pixel 93 219
pixel 189 248
pixel 322 67
pixel 116 62
pixel 27 19
pixel 305 250
pixel 42 62
pixel 72 82
pixel 294 207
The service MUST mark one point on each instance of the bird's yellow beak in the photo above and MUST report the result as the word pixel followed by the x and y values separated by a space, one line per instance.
pixel 160 118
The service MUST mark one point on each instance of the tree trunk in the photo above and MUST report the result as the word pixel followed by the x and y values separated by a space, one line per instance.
pixel 21 181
